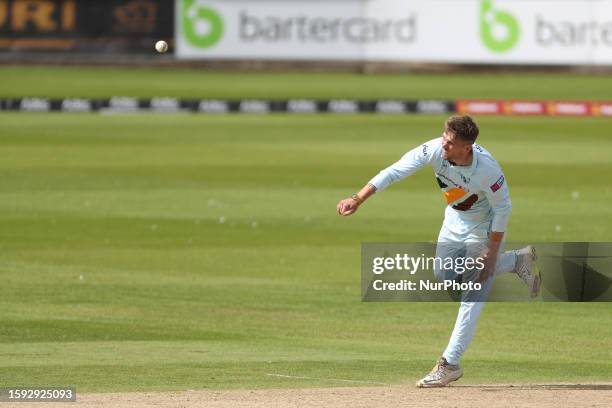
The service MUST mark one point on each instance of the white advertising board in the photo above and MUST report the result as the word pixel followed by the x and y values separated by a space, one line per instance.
pixel 448 31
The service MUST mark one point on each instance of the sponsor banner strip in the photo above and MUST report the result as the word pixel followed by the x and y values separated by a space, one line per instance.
pixel 254 106
pixel 120 104
pixel 534 108
pixel 517 32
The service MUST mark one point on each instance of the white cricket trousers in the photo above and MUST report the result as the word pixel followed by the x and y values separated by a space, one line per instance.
pixel 468 246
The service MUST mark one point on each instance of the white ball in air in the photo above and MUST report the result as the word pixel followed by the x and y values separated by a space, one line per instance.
pixel 161 46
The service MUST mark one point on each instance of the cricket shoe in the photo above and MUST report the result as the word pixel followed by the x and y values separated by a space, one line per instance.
pixel 441 375
pixel 528 270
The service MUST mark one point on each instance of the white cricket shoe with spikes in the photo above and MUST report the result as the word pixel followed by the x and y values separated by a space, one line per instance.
pixel 527 269
pixel 441 375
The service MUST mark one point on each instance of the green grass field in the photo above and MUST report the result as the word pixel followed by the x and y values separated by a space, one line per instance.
pixel 158 252
pixel 19 81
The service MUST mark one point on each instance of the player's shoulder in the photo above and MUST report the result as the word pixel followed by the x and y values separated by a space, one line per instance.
pixel 486 161
pixel 490 172
pixel 431 151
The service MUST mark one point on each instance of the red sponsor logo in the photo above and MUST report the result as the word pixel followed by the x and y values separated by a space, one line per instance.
pixel 524 108
pixel 497 185
pixel 479 107
pixel 544 108
pixel 601 108
pixel 568 108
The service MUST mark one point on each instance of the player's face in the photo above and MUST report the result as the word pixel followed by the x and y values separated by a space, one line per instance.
pixel 453 148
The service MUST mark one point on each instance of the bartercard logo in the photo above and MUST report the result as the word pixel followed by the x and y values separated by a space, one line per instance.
pixel 202 26
pixel 499 30
pixel 253 26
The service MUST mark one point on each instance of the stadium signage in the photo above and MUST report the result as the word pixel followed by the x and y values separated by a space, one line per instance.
pixel 165 104
pixel 499 30
pixel 542 108
pixel 571 32
pixel 37 16
pixel 432 107
pixel 523 108
pixel 333 29
pixel 213 106
pixel 479 107
pixel 601 109
pixel 76 105
pixel 84 25
pixel 35 105
pixel 568 108
pixel 122 104
pixel 302 106
pixel 390 107
pixel 201 25
pixel 320 29
pixel 343 106
pixel 254 106
pixel 587 33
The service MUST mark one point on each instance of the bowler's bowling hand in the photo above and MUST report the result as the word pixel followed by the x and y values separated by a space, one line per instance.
pixel 347 206
pixel 489 259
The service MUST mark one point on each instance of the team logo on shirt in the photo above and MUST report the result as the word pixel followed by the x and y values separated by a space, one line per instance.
pixel 497 185
pixel 456 195
pixel 466 204
pixel 447 181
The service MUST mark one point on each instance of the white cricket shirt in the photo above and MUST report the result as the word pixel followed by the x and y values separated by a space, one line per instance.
pixel 475 194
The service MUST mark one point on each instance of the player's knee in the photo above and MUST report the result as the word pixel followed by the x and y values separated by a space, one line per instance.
pixel 442 273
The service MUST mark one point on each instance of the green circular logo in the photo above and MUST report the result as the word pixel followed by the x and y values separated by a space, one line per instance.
pixel 499 30
pixel 202 26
